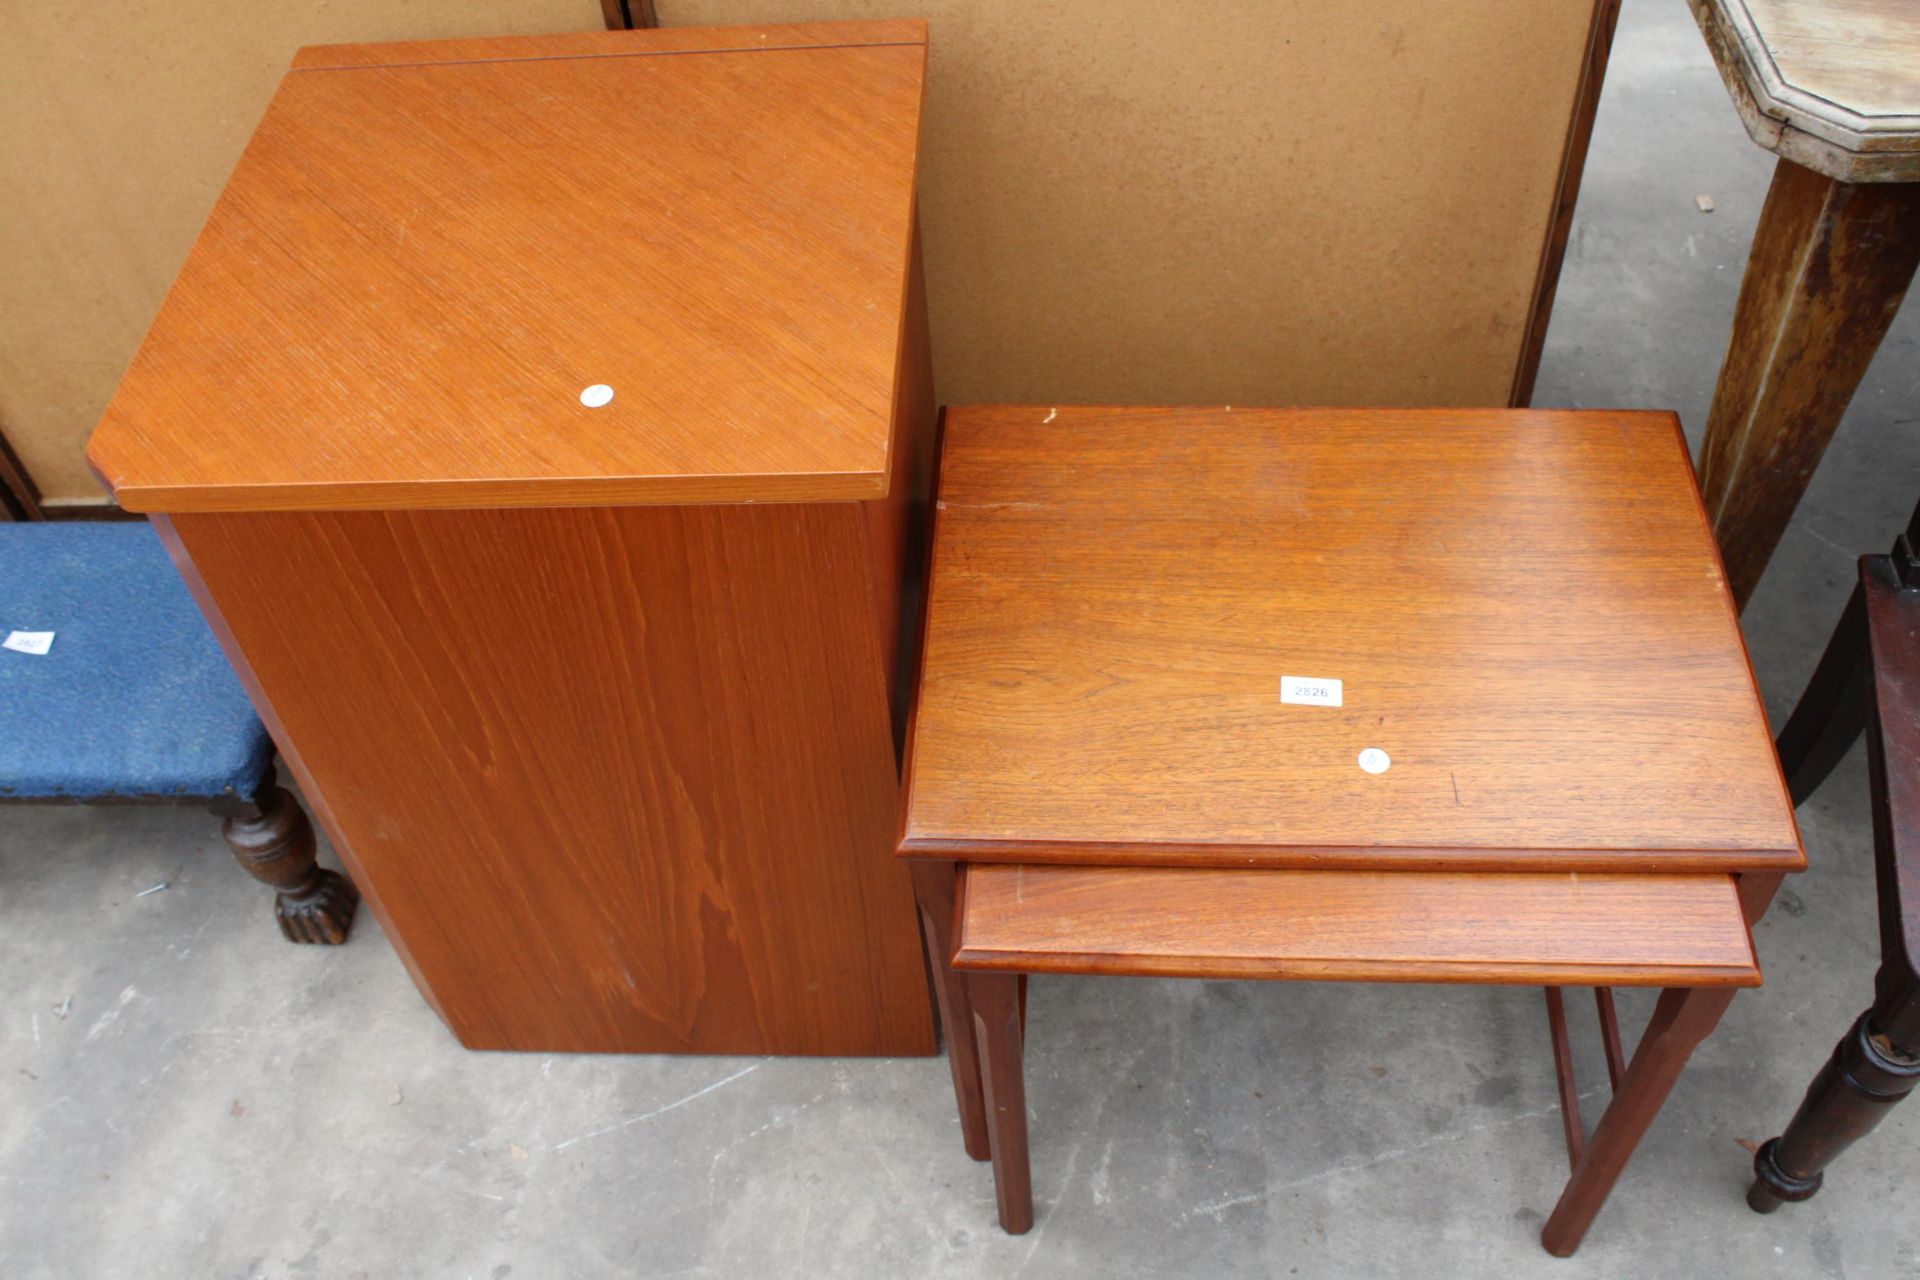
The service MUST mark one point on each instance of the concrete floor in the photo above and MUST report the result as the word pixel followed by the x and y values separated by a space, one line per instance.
pixel 218 1104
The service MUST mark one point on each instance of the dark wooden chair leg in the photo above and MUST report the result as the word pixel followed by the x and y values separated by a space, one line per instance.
pixel 1877 1062
pixel 1682 1019
pixel 1833 710
pixel 996 1020
pixel 1829 265
pixel 1853 1092
pixel 933 889
pixel 273 841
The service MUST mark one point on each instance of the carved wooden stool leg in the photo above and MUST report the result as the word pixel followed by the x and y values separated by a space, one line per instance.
pixel 996 1021
pixel 1860 1083
pixel 1683 1018
pixel 1829 265
pixel 933 883
pixel 272 839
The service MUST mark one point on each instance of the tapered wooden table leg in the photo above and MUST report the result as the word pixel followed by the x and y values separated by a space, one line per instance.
pixel 933 892
pixel 1683 1018
pixel 1829 265
pixel 996 1020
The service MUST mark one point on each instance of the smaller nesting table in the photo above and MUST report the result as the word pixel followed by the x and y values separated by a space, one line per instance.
pixel 1370 695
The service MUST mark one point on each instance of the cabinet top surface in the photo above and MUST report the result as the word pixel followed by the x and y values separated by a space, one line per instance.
pixel 1136 619
pixel 434 260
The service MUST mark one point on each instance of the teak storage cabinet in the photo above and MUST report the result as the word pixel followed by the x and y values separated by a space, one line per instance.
pixel 598 702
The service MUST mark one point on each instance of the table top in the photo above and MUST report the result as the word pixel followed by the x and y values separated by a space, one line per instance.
pixel 431 252
pixel 1524 610
pixel 1833 85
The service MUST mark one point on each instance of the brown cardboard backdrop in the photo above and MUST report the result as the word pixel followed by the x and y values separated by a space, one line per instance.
pixel 1242 201
pixel 1237 201
pixel 118 126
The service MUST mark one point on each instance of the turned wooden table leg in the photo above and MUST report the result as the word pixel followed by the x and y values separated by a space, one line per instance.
pixel 273 841
pixel 1829 265
pixel 996 1019
pixel 1683 1018
pixel 1866 1075
pixel 1877 1063
pixel 933 887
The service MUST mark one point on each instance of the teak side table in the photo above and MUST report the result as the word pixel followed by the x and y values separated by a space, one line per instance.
pixel 1367 695
pixel 540 422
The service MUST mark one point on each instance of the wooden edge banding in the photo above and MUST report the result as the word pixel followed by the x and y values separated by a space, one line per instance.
pixel 1280 970
pixel 1732 606
pixel 1355 858
pixel 972 416
pixel 626 43
pixel 533 491
pixel 1573 163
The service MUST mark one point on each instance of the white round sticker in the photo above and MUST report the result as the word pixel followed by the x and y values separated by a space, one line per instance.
pixel 1374 760
pixel 596 395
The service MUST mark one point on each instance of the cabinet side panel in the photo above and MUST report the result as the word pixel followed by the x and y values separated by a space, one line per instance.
pixel 316 800
pixel 620 780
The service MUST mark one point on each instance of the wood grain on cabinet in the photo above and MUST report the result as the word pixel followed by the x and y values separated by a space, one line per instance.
pixel 613 780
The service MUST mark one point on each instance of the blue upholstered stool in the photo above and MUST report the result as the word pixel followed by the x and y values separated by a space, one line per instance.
pixel 133 703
